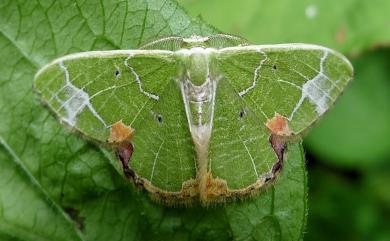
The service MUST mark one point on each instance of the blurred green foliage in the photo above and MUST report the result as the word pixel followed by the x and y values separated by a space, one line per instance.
pixel 349 150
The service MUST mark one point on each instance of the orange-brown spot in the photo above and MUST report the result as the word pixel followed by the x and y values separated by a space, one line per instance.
pixel 279 125
pixel 215 187
pixel 120 133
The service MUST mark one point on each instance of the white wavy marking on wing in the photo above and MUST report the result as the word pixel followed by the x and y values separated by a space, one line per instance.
pixel 312 91
pixel 314 84
pixel 138 81
pixel 256 75
pixel 113 87
pixel 76 100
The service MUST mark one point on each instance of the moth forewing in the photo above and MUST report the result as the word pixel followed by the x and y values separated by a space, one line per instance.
pixel 297 81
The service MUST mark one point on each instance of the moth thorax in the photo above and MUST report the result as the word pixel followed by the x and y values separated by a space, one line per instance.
pixel 200 100
pixel 198 66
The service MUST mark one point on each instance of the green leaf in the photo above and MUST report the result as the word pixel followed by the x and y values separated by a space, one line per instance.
pixel 26 211
pixel 75 174
pixel 358 127
pixel 349 26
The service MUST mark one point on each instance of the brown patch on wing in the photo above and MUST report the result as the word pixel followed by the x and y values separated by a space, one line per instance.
pixel 215 186
pixel 120 137
pixel 278 125
pixel 120 133
pixel 280 148
pixel 124 153
pixel 279 128
pixel 190 189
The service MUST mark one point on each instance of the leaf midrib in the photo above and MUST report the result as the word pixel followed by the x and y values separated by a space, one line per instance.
pixel 19 164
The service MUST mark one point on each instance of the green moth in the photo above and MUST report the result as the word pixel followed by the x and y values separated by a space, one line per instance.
pixel 196 119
